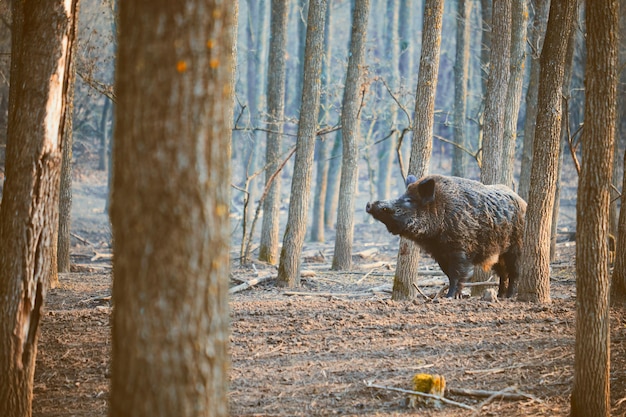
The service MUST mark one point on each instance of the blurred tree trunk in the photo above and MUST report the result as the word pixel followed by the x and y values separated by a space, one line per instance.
pixel 322 144
pixel 519 20
pixel 591 391
pixel 351 128
pixel 390 47
pixel 172 178
pixel 407 42
pixel 421 149
pixel 65 190
pixel 29 211
pixel 537 31
pixel 276 75
pixel 461 72
pixel 104 135
pixel 293 240
pixel 534 283
pixel 256 64
pixel 492 170
pixel 332 188
pixel 486 10
pixel 5 70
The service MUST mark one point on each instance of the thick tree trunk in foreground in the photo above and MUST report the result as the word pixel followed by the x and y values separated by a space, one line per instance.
pixel 169 209
pixel 591 391
pixel 351 134
pixel 289 265
pixel 29 211
pixel 421 149
pixel 535 269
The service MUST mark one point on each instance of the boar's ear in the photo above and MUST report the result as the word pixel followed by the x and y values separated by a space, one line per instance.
pixel 410 179
pixel 426 190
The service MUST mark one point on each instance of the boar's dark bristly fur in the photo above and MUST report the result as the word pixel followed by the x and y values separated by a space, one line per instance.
pixel 461 223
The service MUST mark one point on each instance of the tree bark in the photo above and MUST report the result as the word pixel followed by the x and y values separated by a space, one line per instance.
pixel 535 268
pixel 351 133
pixel 390 51
pixel 169 209
pixel 322 145
pixel 421 149
pixel 29 211
pixel 566 92
pixel 519 19
pixel 461 72
pixel 289 265
pixel 591 391
pixel 492 171
pixel 332 189
pixel 537 31
pixel 276 77
pixel 65 189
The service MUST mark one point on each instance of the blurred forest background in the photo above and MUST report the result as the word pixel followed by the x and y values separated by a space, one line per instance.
pixel 395 27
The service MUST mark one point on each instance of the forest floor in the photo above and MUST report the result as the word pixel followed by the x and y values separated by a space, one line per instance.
pixel 318 349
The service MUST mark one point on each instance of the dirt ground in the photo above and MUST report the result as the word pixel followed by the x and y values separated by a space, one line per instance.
pixel 316 350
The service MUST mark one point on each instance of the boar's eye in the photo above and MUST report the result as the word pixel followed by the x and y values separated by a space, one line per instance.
pixel 406 201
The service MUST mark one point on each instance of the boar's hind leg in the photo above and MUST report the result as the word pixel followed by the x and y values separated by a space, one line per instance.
pixel 458 268
pixel 501 270
pixel 508 270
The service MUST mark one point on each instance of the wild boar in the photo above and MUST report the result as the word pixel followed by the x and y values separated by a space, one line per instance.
pixel 461 223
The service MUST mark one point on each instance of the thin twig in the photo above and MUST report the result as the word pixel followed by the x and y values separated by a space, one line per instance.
pixel 421 394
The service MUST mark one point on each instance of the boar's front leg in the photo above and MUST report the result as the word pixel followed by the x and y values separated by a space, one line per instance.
pixel 458 268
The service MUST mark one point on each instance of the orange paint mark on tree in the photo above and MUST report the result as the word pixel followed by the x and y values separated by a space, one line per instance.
pixel 181 66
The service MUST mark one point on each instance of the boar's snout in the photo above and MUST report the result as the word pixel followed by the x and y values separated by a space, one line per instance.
pixel 377 207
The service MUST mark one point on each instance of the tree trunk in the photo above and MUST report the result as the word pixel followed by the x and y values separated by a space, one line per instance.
pixel 535 268
pixel 351 133
pixel 390 49
pixel 322 144
pixel 566 92
pixel 332 190
pixel 537 32
pixel 591 391
pixel 618 280
pixel 276 76
pixel 172 173
pixel 461 71
pixel 29 211
pixel 421 149
pixel 104 135
pixel 486 11
pixel 256 64
pixel 289 265
pixel 492 170
pixel 519 18
pixel 65 189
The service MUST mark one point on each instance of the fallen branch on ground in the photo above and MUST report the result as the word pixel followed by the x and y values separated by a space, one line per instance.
pixel 99 256
pixel 421 394
pixel 250 283
pixel 82 239
pixel 479 393
pixel 328 294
